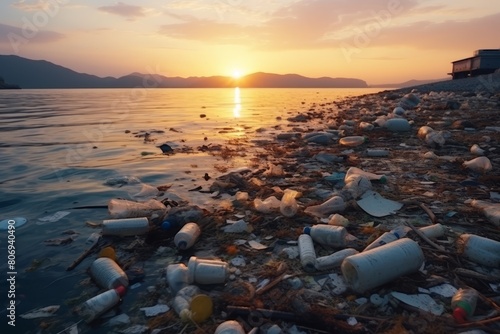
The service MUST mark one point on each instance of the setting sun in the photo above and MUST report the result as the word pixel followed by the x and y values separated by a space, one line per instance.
pixel 237 74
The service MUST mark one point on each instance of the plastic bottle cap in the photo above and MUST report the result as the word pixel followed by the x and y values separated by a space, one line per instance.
pixel 166 225
pixel 307 230
pixel 201 308
pixel 182 245
pixel 121 290
pixel 459 314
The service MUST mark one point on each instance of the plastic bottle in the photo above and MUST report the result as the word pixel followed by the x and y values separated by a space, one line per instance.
pixel 288 204
pixel 352 141
pixel 370 176
pixel 479 249
pixel 187 236
pixel 381 265
pixel 120 208
pixel 490 210
pixel 357 185
pixel 433 231
pixel 387 237
pixel 334 260
pixel 327 234
pixel 108 274
pixel 203 271
pixel 333 205
pixel 177 276
pixel 190 304
pixel 307 252
pixel 100 304
pixel 229 327
pixel 182 300
pixel 125 227
pixel 397 125
pixel 463 304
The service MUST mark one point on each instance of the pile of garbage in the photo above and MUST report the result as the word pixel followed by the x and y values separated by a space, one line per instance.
pixel 375 214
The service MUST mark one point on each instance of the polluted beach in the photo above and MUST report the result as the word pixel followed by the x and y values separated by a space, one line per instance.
pixel 315 234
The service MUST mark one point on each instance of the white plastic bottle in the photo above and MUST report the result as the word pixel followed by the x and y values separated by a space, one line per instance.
pixel 334 260
pixel 327 234
pixel 307 252
pixel 370 269
pixel 125 227
pixel 432 231
pixel 387 237
pixel 479 249
pixel 204 271
pixel 107 273
pixel 187 236
pixel 100 304
pixel 177 276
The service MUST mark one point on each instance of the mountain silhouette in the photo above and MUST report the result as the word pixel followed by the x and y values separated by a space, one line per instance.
pixel 28 73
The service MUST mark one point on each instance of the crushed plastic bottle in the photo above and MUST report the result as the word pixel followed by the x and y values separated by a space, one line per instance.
pixel 120 208
pixel 288 204
pixel 333 205
pixel 387 237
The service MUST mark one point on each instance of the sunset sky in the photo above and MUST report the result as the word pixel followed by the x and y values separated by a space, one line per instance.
pixel 379 41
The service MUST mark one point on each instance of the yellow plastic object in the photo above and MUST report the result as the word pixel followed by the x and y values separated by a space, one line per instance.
pixel 108 252
pixel 201 308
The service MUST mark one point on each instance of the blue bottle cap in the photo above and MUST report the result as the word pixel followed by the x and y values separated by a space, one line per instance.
pixel 307 230
pixel 166 225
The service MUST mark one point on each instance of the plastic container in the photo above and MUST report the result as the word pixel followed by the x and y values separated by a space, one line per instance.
pixel 108 274
pixel 181 303
pixel 479 249
pixel 397 125
pixel 381 265
pixel 288 204
pixel 479 165
pixel 433 231
pixel 125 227
pixel 265 206
pixel 229 327
pixel 352 141
pixel 387 237
pixel 204 271
pixel 307 253
pixel 490 210
pixel 177 276
pixel 334 260
pixel 327 234
pixel 120 208
pixel 100 304
pixel 357 185
pixel 370 176
pixel 333 205
pixel 187 236
pixel 463 304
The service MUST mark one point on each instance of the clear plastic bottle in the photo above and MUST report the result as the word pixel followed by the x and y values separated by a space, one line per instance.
pixel 463 304
pixel 333 205
pixel 100 304
pixel 187 236
pixel 307 252
pixel 327 234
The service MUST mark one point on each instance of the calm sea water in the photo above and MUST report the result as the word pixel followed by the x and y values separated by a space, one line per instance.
pixel 60 148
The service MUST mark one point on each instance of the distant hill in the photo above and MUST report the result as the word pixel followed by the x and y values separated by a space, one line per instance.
pixel 4 85
pixel 29 73
pixel 409 83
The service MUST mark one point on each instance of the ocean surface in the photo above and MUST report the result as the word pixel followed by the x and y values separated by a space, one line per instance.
pixel 66 149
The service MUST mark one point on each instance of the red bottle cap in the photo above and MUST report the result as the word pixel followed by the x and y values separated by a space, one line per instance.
pixel 121 290
pixel 459 314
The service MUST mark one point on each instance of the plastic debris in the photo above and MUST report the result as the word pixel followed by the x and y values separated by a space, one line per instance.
pixel 43 312
pixel 421 301
pixel 375 205
pixel 152 311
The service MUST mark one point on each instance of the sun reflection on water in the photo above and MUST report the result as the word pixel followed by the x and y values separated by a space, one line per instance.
pixel 237 103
